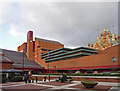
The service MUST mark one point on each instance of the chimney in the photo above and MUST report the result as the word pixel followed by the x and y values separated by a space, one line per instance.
pixel 89 45
pixel 30 45
pixel 98 39
pixel 113 37
pixel 118 39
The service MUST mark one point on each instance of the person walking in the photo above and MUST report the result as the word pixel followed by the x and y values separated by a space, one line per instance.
pixel 29 78
pixel 44 78
pixel 25 78
pixel 36 79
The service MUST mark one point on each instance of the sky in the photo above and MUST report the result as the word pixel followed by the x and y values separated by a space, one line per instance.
pixel 74 24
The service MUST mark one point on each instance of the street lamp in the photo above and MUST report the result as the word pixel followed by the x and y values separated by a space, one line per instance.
pixel 43 69
pixel 23 59
pixel 48 62
pixel 48 68
pixel 55 69
pixel 37 52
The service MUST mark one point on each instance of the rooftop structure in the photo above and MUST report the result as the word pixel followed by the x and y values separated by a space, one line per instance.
pixel 106 40
pixel 66 53
pixel 16 58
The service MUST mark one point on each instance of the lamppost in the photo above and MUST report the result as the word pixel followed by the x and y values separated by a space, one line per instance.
pixel 37 53
pixel 48 67
pixel 23 59
pixel 55 69
pixel 43 69
pixel 48 63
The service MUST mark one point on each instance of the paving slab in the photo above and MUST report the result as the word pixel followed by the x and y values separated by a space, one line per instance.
pixel 54 83
pixel 57 86
pixel 27 87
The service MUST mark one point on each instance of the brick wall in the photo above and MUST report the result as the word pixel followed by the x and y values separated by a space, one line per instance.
pixel 45 45
pixel 5 66
pixel 20 48
pixel 102 59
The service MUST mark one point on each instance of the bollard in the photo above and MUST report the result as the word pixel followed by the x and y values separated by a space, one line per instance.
pixel 44 78
pixel 49 78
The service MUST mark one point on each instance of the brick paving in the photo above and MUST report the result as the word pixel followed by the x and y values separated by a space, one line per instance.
pixel 53 86
pixel 54 83
pixel 29 87
pixel 65 90
pixel 11 83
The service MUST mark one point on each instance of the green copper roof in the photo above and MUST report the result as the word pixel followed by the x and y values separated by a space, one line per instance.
pixel 57 50
pixel 68 57
pixel 66 53
pixel 84 48
pixel 56 53
pixel 71 52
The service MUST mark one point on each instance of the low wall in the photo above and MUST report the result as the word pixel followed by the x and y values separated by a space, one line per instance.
pixel 83 78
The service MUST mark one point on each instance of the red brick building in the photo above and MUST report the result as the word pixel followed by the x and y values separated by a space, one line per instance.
pixel 53 56
pixel 5 63
pixel 14 60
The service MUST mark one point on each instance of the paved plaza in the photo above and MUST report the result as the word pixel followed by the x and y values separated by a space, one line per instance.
pixel 56 86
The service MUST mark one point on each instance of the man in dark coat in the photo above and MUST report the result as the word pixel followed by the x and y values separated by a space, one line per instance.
pixel 26 77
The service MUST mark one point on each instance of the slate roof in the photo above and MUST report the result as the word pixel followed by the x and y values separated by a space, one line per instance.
pixel 4 59
pixel 17 58
pixel 46 40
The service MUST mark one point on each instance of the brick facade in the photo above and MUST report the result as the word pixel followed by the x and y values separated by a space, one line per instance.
pixel 5 66
pixel 103 59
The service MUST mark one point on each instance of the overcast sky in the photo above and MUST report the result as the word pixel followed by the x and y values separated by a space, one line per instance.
pixel 74 24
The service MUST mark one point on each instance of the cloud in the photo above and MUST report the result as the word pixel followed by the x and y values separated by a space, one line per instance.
pixel 72 23
pixel 13 31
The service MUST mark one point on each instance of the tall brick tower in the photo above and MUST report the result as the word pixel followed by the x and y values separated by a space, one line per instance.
pixel 30 45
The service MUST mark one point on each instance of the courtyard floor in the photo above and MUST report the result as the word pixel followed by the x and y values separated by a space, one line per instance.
pixel 56 86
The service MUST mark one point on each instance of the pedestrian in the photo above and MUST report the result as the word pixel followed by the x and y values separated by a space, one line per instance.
pixel 44 78
pixel 36 79
pixel 25 78
pixel 29 78
pixel 32 79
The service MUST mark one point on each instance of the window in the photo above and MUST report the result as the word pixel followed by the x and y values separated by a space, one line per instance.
pixel 30 40
pixel 114 59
